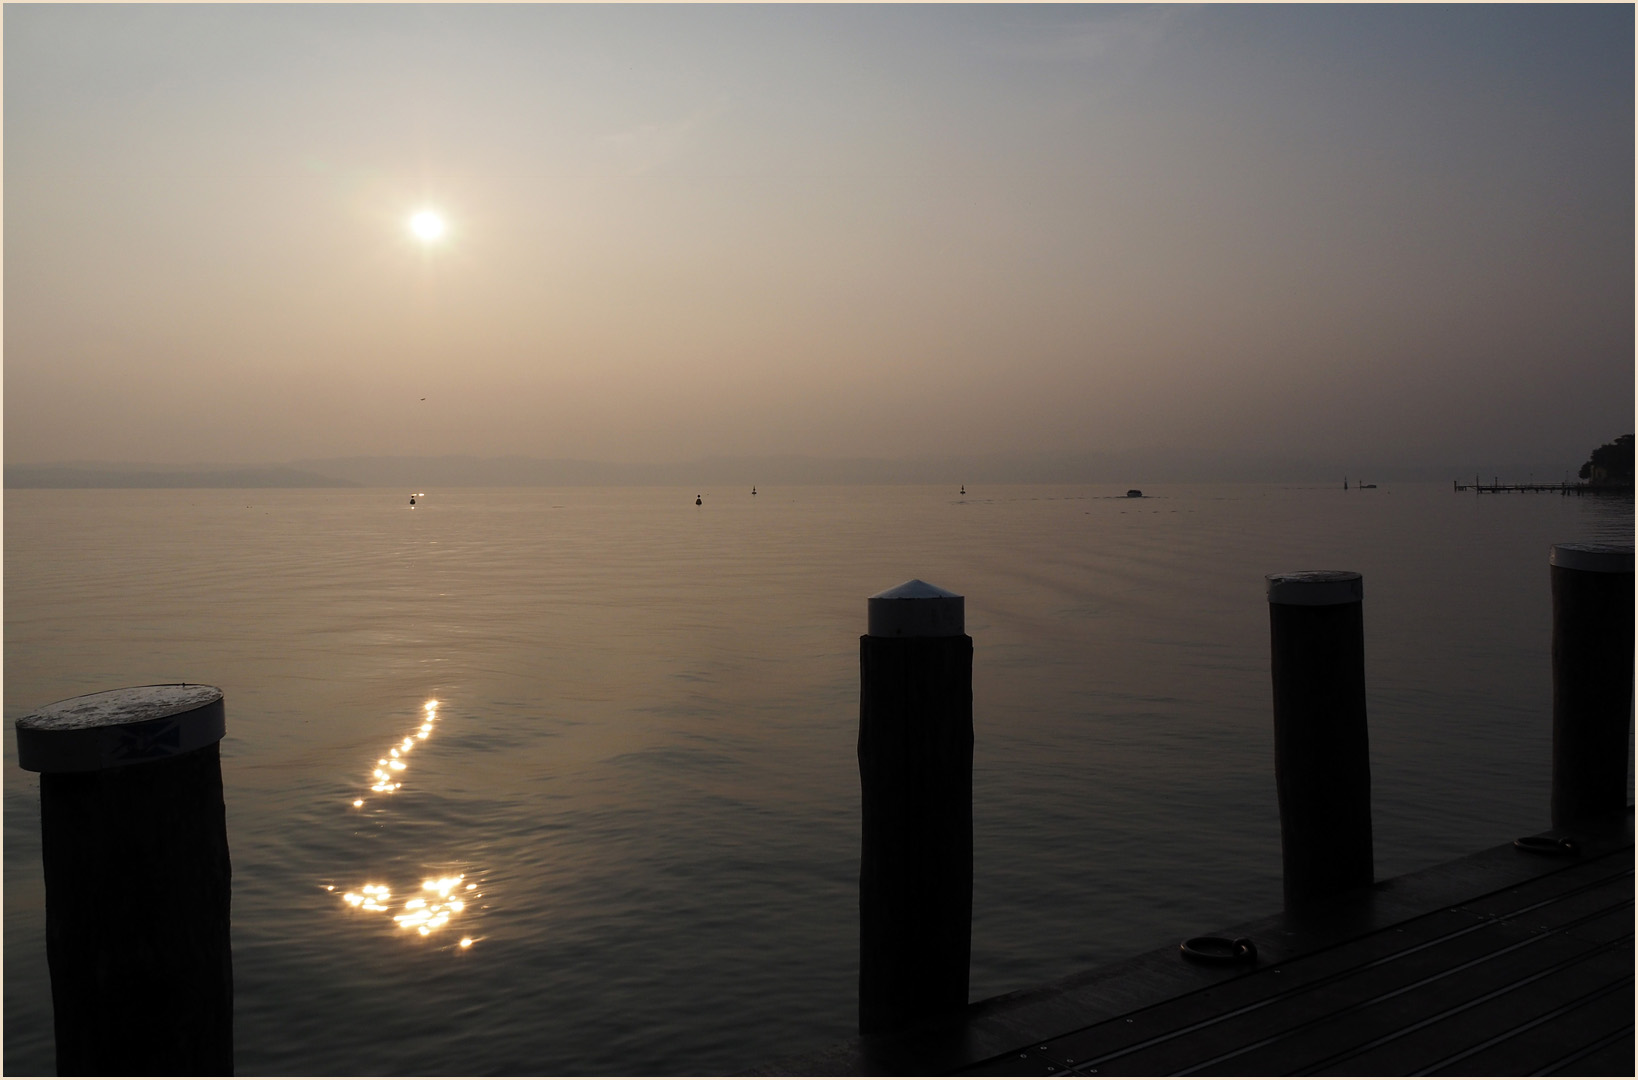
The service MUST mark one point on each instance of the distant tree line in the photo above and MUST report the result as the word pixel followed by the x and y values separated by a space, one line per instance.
pixel 1610 464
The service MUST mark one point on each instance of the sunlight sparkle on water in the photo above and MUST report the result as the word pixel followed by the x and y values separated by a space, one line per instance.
pixel 382 776
pixel 425 914
pixel 434 909
pixel 431 911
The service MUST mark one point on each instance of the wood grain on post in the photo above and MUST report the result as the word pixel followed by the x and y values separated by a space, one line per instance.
pixel 915 769
pixel 1322 763
pixel 134 845
pixel 1592 683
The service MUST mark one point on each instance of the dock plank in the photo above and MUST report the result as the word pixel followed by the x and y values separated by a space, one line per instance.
pixel 1594 1018
pixel 1286 1009
pixel 1295 1031
pixel 1609 926
pixel 1022 1063
pixel 1588 899
pixel 1557 888
pixel 1361 1025
pixel 1612 1057
pixel 1252 991
pixel 1537 1006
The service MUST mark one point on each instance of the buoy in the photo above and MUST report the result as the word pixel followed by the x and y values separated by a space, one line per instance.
pixel 412 500
pixel 964 489
pixel 753 489
pixel 698 501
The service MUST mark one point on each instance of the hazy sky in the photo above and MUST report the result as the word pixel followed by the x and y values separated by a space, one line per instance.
pixel 1377 234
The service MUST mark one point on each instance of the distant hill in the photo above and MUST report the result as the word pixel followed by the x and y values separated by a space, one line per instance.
pixel 116 476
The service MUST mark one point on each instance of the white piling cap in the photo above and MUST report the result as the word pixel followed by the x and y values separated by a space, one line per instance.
pixel 916 609
pixel 1596 558
pixel 1316 588
pixel 120 727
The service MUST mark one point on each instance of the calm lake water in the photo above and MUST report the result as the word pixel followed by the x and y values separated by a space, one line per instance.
pixel 639 773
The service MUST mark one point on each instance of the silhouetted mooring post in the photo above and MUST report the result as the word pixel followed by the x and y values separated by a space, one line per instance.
pixel 1321 751
pixel 134 839
pixel 1592 682
pixel 916 771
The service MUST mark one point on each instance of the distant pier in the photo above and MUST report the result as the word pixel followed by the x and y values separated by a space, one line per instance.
pixel 1564 489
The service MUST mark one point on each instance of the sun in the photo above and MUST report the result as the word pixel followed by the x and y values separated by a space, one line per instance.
pixel 427 225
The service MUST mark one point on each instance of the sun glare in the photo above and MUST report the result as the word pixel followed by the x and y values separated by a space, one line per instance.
pixel 427 225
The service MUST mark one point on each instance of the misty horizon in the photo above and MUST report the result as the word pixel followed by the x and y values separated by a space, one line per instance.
pixel 456 470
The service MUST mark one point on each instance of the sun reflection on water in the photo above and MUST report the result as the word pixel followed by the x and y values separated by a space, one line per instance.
pixel 441 901
pixel 384 778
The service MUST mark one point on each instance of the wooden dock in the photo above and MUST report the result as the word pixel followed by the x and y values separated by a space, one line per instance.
pixel 1506 962
pixel 1499 488
pixel 1563 489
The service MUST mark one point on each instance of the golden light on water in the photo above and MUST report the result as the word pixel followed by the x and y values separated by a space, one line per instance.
pixel 369 898
pixel 384 778
pixel 426 914
pixel 441 901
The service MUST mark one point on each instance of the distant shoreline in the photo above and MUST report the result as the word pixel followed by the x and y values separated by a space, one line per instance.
pixel 1127 469
pixel 23 477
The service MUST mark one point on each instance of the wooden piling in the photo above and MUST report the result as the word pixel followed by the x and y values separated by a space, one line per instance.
pixel 1592 682
pixel 1321 749
pixel 134 845
pixel 915 769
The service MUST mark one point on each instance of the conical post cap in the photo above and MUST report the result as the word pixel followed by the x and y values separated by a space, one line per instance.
pixel 916 609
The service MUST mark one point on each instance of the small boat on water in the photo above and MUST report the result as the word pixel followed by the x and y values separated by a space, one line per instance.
pixel 1133 493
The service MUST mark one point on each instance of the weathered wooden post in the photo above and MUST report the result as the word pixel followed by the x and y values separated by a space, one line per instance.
pixel 1592 682
pixel 916 771
pixel 1322 763
pixel 134 839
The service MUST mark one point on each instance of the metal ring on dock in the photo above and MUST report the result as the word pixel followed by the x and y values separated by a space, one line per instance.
pixel 1219 950
pixel 1547 845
